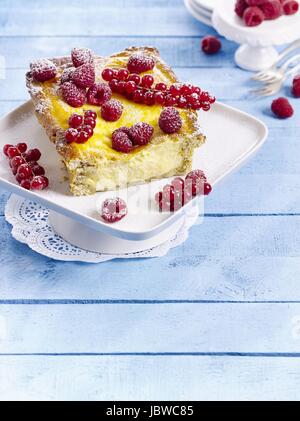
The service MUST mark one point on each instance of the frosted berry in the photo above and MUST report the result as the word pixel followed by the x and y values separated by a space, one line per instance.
pixel 98 94
pixel 211 45
pixel 33 155
pixel 175 89
pixel 39 182
pixel 24 172
pixel 67 75
pixel 22 147
pixel 170 100
pixel 75 121
pixel 112 110
pixel 43 70
pixel 170 120
pixel 84 76
pixel 139 63
pixel 121 141
pixel 240 7
pixel 182 102
pixel 83 137
pixel 147 81
pixel 88 130
pixel 107 75
pixel 113 210
pixel 82 56
pixel 282 108
pixel 12 152
pixel 290 7
pixel 141 133
pixel 186 90
pixel 122 74
pixel 253 16
pixel 5 149
pixel 73 95
pixel 71 135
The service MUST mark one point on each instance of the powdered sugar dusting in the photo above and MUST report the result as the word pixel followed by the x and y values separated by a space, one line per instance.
pixel 82 56
pixel 43 70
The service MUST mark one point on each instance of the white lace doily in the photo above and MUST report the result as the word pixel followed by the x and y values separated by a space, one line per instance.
pixel 31 226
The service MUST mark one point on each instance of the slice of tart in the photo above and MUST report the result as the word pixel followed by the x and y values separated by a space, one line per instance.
pixel 129 90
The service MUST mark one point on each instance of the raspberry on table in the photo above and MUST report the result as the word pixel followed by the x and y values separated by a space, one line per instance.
pixel 170 121
pixel 296 86
pixel 282 108
pixel 73 95
pixel 113 210
pixel 211 44
pixel 43 70
pixel 121 141
pixel 253 16
pixel 112 110
pixel 82 56
pixel 139 63
pixel 84 76
pixel 141 133
pixel 98 94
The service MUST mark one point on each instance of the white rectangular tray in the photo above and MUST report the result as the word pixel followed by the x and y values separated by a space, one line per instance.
pixel 232 137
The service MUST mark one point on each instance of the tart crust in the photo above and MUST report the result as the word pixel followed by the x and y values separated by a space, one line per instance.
pixel 88 167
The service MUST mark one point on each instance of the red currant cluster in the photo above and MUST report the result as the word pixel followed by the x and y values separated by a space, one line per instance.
pixel 141 90
pixel 81 127
pixel 180 191
pixel 29 174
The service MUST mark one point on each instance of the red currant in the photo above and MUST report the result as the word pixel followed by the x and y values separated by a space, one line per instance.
pixel 38 169
pixel 205 106
pixel 16 162
pixel 212 99
pixel 130 87
pixel 71 135
pixel 121 88
pixel 186 90
pixel 107 75
pixel 193 100
pixel 5 149
pixel 75 120
pixel 22 147
pixel 160 98
pixel 196 90
pixel 134 78
pixel 138 96
pixel 89 121
pixel 89 130
pixel 33 155
pixel 122 74
pixel 204 96
pixel 24 172
pixel 182 102
pixel 207 189
pixel 39 182
pixel 147 81
pixel 161 87
pixel 170 100
pixel 12 152
pixel 25 184
pixel 175 89
pixel 113 84
pixel 82 137
pixel 149 98
pixel 91 114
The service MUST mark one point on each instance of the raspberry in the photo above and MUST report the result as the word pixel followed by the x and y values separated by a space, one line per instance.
pixel 282 108
pixel 43 70
pixel 98 94
pixel 121 141
pixel 253 16
pixel 67 75
pixel 170 120
pixel 84 76
pixel 73 95
pixel 82 56
pixel 296 86
pixel 290 7
pixel 211 45
pixel 111 110
pixel 240 7
pixel 113 210
pixel 139 63
pixel 272 9
pixel 141 133
pixel 39 182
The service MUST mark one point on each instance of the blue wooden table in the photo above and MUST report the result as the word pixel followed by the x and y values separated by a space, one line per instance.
pixel 217 318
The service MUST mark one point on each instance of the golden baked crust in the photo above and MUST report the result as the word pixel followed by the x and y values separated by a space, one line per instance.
pixel 85 163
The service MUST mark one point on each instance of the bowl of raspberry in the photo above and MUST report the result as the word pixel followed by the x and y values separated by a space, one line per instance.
pixel 258 25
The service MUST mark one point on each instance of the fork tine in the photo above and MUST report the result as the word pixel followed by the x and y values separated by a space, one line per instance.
pixel 258 76
pixel 264 91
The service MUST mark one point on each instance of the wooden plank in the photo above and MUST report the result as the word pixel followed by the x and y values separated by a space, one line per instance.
pixel 151 378
pixel 159 17
pixel 176 51
pixel 131 328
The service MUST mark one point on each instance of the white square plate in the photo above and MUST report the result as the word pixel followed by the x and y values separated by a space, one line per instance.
pixel 232 137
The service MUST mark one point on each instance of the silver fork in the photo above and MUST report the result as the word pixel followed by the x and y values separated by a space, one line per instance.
pixel 265 73
pixel 279 74
pixel 273 88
